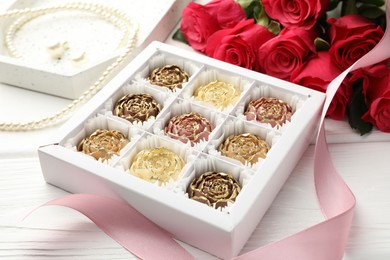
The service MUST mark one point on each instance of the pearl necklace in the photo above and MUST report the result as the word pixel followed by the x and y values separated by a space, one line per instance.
pixel 112 15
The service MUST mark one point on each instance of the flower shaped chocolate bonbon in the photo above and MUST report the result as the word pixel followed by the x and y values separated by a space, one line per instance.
pixel 218 93
pixel 157 165
pixel 103 144
pixel 269 110
pixel 214 188
pixel 137 107
pixel 247 148
pixel 190 127
pixel 169 76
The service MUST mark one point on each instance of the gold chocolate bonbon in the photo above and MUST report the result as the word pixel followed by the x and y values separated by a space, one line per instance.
pixel 169 76
pixel 247 148
pixel 218 94
pixel 269 110
pixel 137 107
pixel 103 144
pixel 190 127
pixel 214 189
pixel 157 165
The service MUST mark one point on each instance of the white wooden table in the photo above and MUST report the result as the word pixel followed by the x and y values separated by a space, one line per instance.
pixel 56 232
pixel 59 232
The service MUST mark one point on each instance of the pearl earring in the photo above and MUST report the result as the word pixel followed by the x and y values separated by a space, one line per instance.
pixel 57 49
pixel 77 58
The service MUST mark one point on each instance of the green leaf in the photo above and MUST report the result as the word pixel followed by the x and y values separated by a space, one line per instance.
pixel 274 27
pixel 254 9
pixel 378 3
pixel 375 14
pixel 179 36
pixel 333 4
pixel 249 8
pixel 321 44
pixel 246 3
pixel 260 16
pixel 371 12
pixel 348 7
pixel 356 109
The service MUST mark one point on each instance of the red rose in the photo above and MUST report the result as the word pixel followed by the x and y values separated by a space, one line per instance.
pixel 338 107
pixel 376 89
pixel 227 12
pixel 201 21
pixel 379 112
pixel 371 76
pixel 197 25
pixel 238 45
pixel 294 14
pixel 282 55
pixel 351 37
pixel 316 74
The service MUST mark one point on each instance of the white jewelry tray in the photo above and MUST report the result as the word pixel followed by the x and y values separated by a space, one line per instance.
pixel 222 233
pixel 37 71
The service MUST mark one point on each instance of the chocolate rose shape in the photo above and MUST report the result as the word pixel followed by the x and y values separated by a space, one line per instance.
pixel 214 188
pixel 247 148
pixel 190 127
pixel 102 144
pixel 137 107
pixel 169 76
pixel 218 93
pixel 157 165
pixel 269 110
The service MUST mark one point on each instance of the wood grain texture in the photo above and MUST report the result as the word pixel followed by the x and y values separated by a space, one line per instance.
pixel 57 232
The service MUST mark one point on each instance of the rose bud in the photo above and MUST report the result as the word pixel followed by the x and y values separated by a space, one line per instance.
pixel 351 37
pixel 376 90
pixel 282 55
pixel 199 22
pixel 238 45
pixel 296 14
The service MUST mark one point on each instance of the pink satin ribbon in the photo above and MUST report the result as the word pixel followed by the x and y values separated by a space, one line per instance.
pixel 125 225
pixel 326 240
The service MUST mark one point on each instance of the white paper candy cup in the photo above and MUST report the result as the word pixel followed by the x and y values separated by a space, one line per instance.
pixel 162 60
pixel 180 107
pixel 234 126
pixel 206 163
pixel 102 122
pixel 149 141
pixel 263 90
pixel 207 76
pixel 162 98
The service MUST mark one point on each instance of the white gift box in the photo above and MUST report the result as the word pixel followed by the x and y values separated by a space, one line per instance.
pixel 35 70
pixel 219 232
